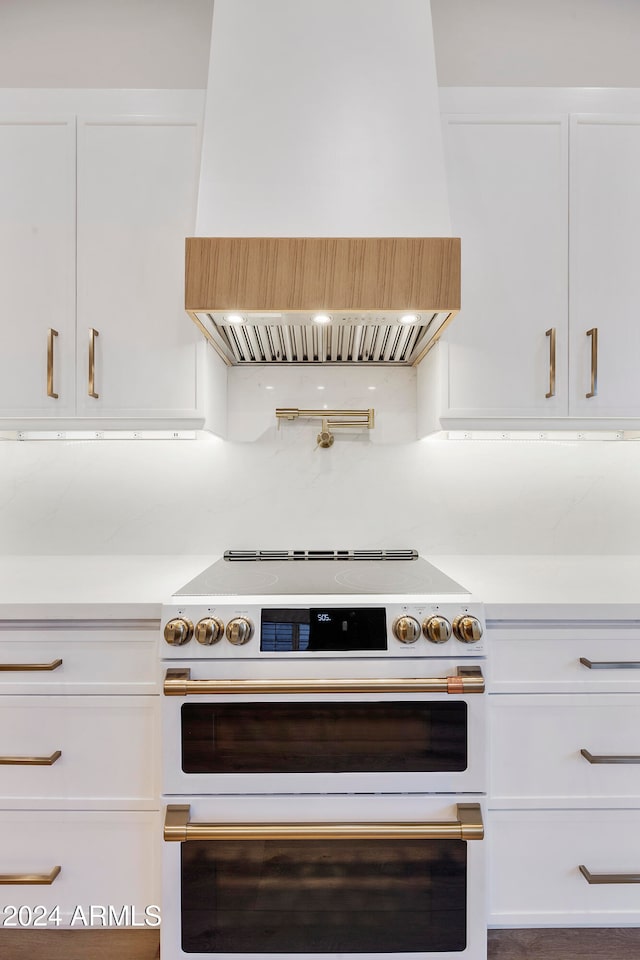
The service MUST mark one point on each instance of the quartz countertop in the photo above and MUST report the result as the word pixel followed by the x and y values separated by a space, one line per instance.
pixel 132 587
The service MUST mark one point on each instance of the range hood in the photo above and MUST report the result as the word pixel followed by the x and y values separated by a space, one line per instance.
pixel 323 221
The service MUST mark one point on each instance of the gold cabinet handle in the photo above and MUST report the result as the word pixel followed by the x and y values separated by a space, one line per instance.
pixel 50 336
pixel 32 761
pixel 610 664
pixel 551 333
pixel 92 363
pixel 468 826
pixel 31 666
pixel 605 758
pixel 178 683
pixel 41 878
pixel 608 877
pixel 593 333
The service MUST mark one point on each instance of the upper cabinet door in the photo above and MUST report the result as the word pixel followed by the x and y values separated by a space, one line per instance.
pixel 605 273
pixel 37 276
pixel 508 193
pixel 137 183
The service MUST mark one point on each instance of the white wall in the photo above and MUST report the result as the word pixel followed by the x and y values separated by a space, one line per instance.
pixel 105 43
pixel 165 43
pixel 563 43
pixel 111 497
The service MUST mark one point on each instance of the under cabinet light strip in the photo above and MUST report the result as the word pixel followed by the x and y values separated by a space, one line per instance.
pixel 98 435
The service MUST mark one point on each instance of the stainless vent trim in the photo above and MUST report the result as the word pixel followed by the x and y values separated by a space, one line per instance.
pixel 261 555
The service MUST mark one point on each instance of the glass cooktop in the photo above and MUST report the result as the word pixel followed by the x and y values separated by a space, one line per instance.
pixel 381 572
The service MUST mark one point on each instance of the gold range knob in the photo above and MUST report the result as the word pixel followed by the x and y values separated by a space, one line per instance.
pixel 178 631
pixel 406 629
pixel 209 630
pixel 436 629
pixel 467 629
pixel 239 631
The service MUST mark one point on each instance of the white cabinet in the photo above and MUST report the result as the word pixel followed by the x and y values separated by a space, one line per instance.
pixel 564 788
pixel 508 195
pixel 94 211
pixel 82 695
pixel 548 209
pixel 605 280
pixel 136 204
pixel 37 278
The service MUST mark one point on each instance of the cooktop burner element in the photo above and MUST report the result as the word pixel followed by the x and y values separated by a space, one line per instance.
pixel 322 572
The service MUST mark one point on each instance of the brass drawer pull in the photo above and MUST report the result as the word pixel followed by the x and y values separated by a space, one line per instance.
pixel 31 666
pixel 41 878
pixel 178 683
pixel 551 333
pixel 92 363
pixel 593 392
pixel 610 664
pixel 468 826
pixel 608 877
pixel 32 761
pixel 609 759
pixel 50 391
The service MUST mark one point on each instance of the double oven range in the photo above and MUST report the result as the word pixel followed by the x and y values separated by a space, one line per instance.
pixel 324 760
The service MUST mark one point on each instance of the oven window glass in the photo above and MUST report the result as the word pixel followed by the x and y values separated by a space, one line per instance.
pixel 388 737
pixel 329 896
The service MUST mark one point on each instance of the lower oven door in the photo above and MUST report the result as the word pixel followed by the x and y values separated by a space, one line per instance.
pixel 246 878
pixel 285 733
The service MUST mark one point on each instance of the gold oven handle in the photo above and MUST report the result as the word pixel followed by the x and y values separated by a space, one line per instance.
pixel 178 683
pixel 608 877
pixel 468 826
pixel 41 878
pixel 19 667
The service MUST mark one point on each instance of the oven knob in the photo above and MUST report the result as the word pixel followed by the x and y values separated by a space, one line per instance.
pixel 467 629
pixel 239 631
pixel 178 631
pixel 437 629
pixel 406 629
pixel 209 630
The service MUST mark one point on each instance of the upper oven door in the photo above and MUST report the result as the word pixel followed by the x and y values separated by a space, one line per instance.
pixel 287 733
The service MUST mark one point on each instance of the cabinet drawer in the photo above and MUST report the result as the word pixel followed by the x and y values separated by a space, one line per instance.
pixel 97 657
pixel 536 743
pixel 106 859
pixel 548 660
pixel 534 859
pixel 108 748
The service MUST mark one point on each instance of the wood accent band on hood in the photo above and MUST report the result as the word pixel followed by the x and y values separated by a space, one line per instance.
pixel 330 273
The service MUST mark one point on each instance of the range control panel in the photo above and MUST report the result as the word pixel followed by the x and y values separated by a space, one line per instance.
pixel 248 631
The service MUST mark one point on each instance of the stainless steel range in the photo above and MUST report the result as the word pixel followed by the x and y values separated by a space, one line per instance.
pixel 324 759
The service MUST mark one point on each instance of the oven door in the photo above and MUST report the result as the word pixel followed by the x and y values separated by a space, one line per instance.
pixel 247 878
pixel 285 733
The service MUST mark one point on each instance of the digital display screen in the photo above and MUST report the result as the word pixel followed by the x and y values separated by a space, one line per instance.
pixel 323 628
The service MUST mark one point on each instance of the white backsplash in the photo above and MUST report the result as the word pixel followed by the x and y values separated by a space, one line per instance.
pixel 202 496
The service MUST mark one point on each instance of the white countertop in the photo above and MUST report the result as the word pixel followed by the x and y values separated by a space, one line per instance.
pixel 512 587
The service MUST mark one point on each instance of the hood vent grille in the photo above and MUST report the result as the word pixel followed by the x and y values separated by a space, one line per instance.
pixel 348 339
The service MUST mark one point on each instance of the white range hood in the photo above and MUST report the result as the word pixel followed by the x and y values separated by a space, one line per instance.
pixel 322 157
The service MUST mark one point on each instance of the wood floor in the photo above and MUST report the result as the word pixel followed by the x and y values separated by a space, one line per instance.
pixel 541 944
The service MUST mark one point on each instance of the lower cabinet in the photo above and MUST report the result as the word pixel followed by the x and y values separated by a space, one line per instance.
pixel 79 775
pixel 109 869
pixel 564 806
